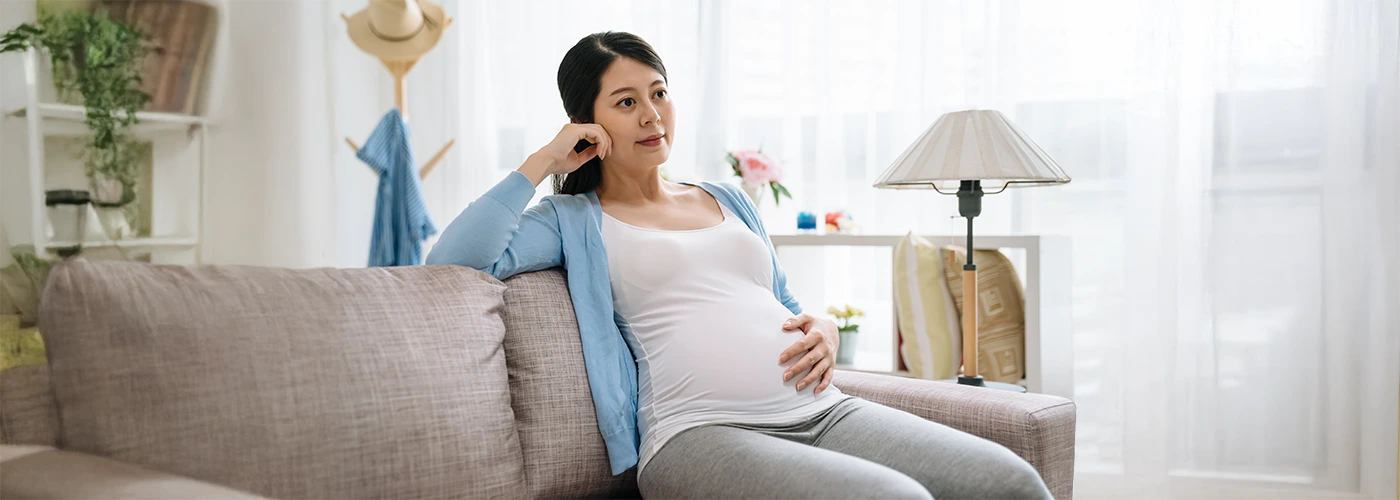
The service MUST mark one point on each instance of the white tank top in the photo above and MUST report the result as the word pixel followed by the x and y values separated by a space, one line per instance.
pixel 705 329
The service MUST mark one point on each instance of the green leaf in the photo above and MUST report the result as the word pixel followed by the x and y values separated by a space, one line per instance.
pixel 783 189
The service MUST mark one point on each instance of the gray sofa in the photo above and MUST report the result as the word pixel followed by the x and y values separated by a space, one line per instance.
pixel 410 382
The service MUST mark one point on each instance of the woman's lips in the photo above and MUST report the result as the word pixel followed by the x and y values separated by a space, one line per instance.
pixel 652 143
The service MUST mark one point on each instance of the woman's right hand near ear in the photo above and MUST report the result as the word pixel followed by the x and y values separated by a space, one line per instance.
pixel 559 157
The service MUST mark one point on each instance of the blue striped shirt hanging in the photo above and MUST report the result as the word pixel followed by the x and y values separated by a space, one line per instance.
pixel 401 220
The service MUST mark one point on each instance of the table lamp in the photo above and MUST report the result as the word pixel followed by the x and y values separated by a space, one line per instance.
pixel 960 153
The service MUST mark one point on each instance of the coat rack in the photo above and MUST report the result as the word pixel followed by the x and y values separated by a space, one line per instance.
pixel 399 69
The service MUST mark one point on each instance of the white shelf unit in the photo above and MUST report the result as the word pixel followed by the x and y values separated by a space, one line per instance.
pixel 1045 275
pixel 67 120
pixel 178 157
pixel 139 243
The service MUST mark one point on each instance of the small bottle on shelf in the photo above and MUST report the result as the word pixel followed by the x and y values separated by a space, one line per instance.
pixel 806 223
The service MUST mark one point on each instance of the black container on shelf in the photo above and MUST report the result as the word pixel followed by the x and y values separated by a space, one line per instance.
pixel 67 211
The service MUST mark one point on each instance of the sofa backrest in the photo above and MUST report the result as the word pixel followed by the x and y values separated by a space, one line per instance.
pixel 562 450
pixel 288 383
pixel 554 415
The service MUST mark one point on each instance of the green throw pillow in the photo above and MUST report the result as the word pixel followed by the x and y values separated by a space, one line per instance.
pixel 19 346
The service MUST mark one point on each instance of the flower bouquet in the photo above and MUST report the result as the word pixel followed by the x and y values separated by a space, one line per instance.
pixel 759 173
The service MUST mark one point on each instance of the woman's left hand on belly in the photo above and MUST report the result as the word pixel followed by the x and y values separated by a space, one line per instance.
pixel 817 348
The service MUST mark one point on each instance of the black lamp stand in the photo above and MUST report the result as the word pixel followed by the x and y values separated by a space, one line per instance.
pixel 970 205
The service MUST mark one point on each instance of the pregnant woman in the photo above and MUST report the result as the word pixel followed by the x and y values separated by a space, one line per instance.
pixel 704 372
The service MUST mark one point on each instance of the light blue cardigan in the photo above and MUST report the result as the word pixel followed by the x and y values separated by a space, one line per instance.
pixel 496 234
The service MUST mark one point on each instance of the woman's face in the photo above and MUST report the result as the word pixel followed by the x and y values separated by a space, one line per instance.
pixel 633 105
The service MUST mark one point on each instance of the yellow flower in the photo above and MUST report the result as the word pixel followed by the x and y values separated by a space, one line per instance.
pixel 845 312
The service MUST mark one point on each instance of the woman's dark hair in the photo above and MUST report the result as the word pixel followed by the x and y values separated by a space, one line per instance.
pixel 580 81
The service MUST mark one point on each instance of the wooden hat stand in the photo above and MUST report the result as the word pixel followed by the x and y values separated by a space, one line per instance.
pixel 399 70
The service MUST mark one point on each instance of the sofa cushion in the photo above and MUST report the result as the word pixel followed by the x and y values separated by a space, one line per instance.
pixel 27 412
pixel 313 383
pixel 563 448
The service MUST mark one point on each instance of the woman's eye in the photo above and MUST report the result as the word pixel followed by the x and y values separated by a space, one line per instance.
pixel 627 103
pixel 660 94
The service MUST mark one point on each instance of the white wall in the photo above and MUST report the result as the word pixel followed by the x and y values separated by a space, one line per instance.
pixel 284 189
pixel 269 180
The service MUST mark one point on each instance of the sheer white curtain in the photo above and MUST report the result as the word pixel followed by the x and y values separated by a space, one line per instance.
pixel 1226 239
pixel 1232 236
pixel 1378 450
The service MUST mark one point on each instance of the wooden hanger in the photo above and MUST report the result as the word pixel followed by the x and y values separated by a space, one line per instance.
pixel 399 69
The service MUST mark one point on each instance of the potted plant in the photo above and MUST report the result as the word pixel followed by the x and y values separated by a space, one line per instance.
pixel 96 61
pixel 846 352
pixel 759 172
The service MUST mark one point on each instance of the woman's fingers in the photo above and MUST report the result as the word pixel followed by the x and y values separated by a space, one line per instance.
pixel 826 380
pixel 814 356
pixel 595 134
pixel 583 156
pixel 815 375
pixel 797 322
pixel 564 154
pixel 800 323
pixel 804 344
pixel 605 142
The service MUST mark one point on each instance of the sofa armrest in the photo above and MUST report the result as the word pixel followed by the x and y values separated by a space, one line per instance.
pixel 42 472
pixel 1038 427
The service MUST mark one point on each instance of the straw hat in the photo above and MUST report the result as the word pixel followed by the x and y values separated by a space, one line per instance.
pixel 397 30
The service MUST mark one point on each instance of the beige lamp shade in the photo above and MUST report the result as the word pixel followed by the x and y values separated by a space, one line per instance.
pixel 974 145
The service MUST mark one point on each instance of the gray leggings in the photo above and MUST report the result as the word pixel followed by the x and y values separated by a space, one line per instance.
pixel 856 449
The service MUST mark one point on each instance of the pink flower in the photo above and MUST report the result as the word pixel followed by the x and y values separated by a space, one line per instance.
pixel 757 168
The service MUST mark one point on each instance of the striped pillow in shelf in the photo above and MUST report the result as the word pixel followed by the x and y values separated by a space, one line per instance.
pixel 927 317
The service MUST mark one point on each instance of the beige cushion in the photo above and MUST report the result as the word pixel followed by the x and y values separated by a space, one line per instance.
pixel 1001 315
pixel 315 383
pixel 564 451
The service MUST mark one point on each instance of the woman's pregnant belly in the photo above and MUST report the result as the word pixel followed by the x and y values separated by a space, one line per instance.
pixel 719 359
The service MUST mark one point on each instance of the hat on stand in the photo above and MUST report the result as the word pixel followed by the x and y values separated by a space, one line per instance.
pixel 397 30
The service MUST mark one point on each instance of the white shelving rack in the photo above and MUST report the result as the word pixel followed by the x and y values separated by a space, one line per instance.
pixel 177 162
pixel 1046 278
